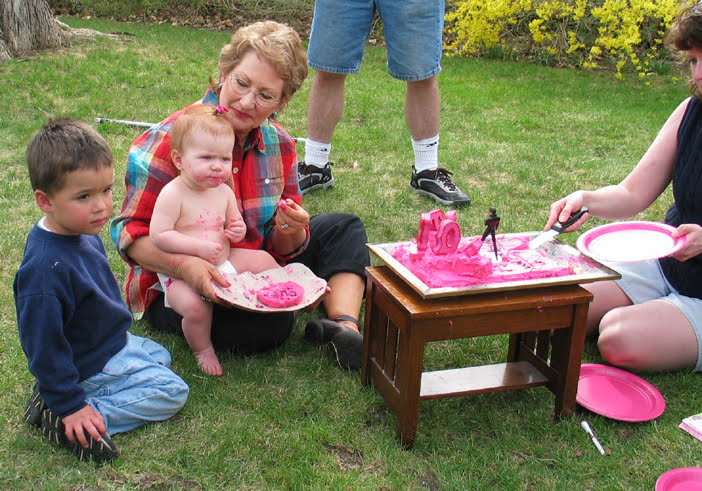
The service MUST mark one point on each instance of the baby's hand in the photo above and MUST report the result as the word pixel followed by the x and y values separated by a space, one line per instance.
pixel 235 230
pixel 210 251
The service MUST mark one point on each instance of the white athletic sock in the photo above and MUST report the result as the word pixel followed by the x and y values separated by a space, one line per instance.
pixel 316 153
pixel 426 154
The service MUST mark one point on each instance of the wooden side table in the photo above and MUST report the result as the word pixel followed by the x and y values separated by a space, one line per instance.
pixel 546 328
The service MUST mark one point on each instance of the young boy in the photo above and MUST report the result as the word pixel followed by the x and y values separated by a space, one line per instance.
pixel 93 378
pixel 197 214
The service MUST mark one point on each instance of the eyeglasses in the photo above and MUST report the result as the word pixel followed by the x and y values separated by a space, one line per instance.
pixel 242 87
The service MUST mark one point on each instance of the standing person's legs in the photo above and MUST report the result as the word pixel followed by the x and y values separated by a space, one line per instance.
pixel 136 387
pixel 413 33
pixel 422 103
pixel 337 40
pixel 325 107
pixel 324 110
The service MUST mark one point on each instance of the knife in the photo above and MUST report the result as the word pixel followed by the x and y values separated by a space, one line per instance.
pixel 556 229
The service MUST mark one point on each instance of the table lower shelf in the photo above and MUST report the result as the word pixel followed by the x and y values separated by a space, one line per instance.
pixel 485 378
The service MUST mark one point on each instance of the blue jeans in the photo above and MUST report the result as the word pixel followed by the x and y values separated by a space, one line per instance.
pixel 136 387
pixel 413 36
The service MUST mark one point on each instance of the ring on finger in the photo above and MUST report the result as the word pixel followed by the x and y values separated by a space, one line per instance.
pixel 284 226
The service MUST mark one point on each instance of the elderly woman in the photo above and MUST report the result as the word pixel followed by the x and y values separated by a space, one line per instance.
pixel 651 319
pixel 259 72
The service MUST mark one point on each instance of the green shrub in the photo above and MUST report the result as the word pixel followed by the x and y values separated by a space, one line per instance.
pixel 586 33
pixel 622 35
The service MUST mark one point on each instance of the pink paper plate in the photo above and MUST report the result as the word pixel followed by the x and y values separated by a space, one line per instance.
pixel 242 292
pixel 629 241
pixel 682 479
pixel 618 394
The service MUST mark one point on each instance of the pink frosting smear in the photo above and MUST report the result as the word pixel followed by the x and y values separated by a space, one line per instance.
pixel 471 262
pixel 282 294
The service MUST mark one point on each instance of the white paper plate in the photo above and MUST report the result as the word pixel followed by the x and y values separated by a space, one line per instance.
pixel 242 292
pixel 630 241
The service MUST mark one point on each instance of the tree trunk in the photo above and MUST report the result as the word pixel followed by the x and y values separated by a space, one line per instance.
pixel 27 26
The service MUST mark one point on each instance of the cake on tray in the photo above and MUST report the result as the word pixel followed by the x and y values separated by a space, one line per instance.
pixel 440 257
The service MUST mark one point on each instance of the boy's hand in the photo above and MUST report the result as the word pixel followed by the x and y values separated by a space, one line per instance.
pixel 85 419
pixel 210 251
pixel 235 230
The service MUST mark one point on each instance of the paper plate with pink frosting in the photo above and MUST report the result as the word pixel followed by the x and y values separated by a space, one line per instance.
pixel 292 287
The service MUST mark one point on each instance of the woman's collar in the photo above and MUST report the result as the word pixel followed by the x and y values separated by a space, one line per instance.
pixel 253 139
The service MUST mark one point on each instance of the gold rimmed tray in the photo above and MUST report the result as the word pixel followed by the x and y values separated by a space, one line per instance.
pixel 591 270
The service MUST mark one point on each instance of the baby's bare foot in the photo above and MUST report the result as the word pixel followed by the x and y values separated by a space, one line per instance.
pixel 209 364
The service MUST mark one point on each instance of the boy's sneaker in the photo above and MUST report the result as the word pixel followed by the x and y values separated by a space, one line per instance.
pixel 35 407
pixel 438 185
pixel 312 177
pixel 54 431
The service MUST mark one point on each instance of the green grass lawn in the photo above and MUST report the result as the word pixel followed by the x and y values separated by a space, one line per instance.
pixel 517 137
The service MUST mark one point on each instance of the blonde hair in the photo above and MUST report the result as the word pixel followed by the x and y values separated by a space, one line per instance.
pixel 276 43
pixel 199 118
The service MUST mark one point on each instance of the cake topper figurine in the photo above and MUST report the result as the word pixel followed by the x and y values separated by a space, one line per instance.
pixel 492 221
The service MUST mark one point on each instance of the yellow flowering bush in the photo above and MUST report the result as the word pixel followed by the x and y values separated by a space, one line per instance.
pixel 586 33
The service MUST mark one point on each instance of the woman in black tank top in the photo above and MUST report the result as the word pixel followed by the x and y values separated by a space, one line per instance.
pixel 651 319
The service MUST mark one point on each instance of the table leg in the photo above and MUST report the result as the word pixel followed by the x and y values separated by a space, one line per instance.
pixel 410 361
pixel 367 334
pixel 568 345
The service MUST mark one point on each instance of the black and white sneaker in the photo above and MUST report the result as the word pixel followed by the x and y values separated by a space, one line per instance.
pixel 312 177
pixel 35 408
pixel 438 186
pixel 53 429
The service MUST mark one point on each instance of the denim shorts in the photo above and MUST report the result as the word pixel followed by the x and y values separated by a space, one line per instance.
pixel 644 281
pixel 412 28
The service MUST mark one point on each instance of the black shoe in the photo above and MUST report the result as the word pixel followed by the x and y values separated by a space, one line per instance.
pixel 347 343
pixel 312 177
pixel 54 431
pixel 35 407
pixel 438 185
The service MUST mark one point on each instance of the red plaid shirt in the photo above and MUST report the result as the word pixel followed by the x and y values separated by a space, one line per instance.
pixel 264 170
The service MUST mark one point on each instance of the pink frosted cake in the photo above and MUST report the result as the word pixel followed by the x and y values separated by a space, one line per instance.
pixel 441 258
pixel 282 294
